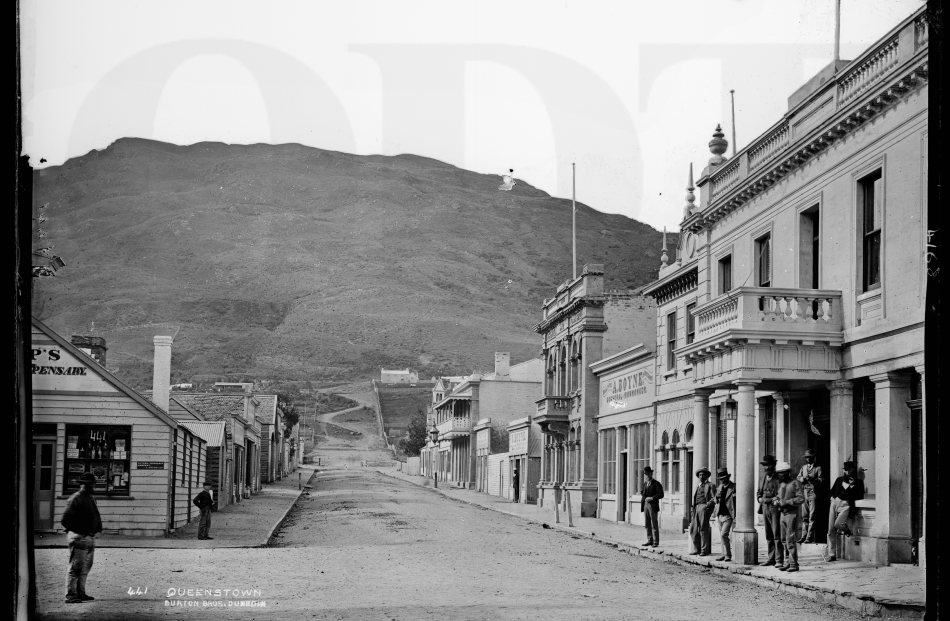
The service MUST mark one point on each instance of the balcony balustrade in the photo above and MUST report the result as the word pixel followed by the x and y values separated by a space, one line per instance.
pixel 553 409
pixel 455 426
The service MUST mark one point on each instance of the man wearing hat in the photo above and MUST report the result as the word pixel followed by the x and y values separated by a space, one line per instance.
pixel 204 501
pixel 82 522
pixel 846 489
pixel 771 515
pixel 725 511
pixel 704 499
pixel 650 505
pixel 789 499
pixel 810 478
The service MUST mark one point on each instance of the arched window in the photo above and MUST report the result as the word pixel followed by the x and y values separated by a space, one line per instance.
pixel 665 461
pixel 674 486
pixel 689 432
pixel 562 372
pixel 549 384
pixel 575 367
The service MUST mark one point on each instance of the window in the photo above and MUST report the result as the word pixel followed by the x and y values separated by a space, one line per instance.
pixel 722 441
pixel 763 262
pixel 610 460
pixel 670 340
pixel 639 449
pixel 690 323
pixel 871 199
pixel 725 274
pixel 562 372
pixel 769 431
pixel 103 450
pixel 575 367
pixel 674 487
pixel 664 461
pixel 810 249
pixel 865 441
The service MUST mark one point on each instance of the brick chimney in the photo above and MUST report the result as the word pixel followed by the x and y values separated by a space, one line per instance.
pixel 502 363
pixel 161 377
pixel 93 346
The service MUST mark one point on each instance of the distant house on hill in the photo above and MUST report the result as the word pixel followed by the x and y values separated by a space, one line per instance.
pixel 398 376
pixel 234 386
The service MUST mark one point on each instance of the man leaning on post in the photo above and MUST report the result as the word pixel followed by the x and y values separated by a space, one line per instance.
pixel 844 492
pixel 704 499
pixel 82 522
pixel 650 497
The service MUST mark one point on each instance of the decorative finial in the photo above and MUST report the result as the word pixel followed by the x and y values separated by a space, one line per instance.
pixel 664 258
pixel 718 146
pixel 690 197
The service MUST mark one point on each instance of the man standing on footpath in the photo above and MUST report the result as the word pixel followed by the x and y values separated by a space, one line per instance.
pixel 789 499
pixel 810 478
pixel 650 505
pixel 844 492
pixel 204 501
pixel 82 522
pixel 703 502
pixel 725 512
pixel 771 515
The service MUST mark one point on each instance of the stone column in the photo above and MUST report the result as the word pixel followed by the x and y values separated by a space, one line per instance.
pixel 713 440
pixel 841 440
pixel 701 431
pixel 618 474
pixel 745 537
pixel 781 445
pixel 921 545
pixel 890 535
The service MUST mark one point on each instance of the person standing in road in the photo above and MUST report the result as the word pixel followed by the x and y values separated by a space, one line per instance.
pixel 516 483
pixel 789 501
pixel 204 501
pixel 846 489
pixel 810 478
pixel 650 497
pixel 82 522
pixel 725 512
pixel 771 515
pixel 704 499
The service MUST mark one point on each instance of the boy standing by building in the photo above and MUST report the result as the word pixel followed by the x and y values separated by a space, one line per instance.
pixel 204 502
pixel 82 522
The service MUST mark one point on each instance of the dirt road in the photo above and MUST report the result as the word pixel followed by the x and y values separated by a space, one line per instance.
pixel 364 546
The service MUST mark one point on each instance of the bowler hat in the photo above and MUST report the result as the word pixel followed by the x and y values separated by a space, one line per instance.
pixel 768 460
pixel 703 469
pixel 87 477
pixel 207 484
pixel 809 453
pixel 647 470
pixel 722 473
pixel 783 466
pixel 849 464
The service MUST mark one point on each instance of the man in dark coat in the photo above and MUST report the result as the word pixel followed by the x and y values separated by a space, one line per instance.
pixel 650 497
pixel 516 483
pixel 771 515
pixel 82 522
pixel 704 499
pixel 846 489
pixel 725 511
pixel 204 501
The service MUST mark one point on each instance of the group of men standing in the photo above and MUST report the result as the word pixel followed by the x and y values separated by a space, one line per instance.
pixel 787 504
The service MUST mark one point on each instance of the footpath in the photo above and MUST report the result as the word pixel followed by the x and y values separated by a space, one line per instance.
pixel 250 523
pixel 893 591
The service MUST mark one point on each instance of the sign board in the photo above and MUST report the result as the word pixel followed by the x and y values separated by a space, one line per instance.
pixel 482 439
pixel 626 391
pixel 518 442
pixel 149 465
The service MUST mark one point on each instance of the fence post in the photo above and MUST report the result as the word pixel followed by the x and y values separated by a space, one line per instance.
pixel 437 479
pixel 557 508
pixel 298 481
pixel 570 517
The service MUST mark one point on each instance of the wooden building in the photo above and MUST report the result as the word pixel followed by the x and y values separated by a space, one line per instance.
pixel 148 466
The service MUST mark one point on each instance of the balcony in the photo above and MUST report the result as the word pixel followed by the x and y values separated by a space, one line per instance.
pixel 766 333
pixel 454 427
pixel 553 409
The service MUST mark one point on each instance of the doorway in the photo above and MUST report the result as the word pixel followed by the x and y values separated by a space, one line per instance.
pixel 688 489
pixel 622 492
pixel 819 432
pixel 41 456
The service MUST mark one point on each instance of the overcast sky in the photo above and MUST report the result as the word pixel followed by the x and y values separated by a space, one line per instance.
pixel 630 91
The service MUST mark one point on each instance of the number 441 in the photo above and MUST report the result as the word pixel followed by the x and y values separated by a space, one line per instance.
pixel 137 591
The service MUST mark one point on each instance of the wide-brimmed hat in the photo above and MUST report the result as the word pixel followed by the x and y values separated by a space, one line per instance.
pixel 87 477
pixel 703 469
pixel 849 464
pixel 810 453
pixel 768 460
pixel 783 466
pixel 647 470
pixel 722 473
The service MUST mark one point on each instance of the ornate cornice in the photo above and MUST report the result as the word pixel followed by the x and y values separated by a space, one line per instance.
pixel 574 306
pixel 682 283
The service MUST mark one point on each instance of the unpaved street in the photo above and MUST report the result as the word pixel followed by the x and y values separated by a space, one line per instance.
pixel 366 546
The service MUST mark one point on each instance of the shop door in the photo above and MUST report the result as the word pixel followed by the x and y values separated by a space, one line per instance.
pixel 42 460
pixel 819 432
pixel 622 489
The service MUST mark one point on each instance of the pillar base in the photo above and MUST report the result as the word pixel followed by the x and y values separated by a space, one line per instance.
pixel 745 547
pixel 885 551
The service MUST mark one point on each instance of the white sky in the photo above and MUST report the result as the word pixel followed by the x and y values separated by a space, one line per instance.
pixel 630 91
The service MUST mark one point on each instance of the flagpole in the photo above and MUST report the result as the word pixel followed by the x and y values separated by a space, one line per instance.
pixel 574 215
pixel 837 34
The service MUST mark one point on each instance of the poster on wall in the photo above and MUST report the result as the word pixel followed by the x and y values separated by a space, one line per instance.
pixel 100 470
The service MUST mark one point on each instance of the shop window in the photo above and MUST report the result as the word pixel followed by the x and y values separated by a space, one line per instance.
pixel 870 220
pixel 640 448
pixel 103 450
pixel 674 487
pixel 610 461
pixel 665 461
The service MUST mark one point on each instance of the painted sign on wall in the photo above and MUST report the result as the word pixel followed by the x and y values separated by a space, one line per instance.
pixel 49 361
pixel 624 390
pixel 518 441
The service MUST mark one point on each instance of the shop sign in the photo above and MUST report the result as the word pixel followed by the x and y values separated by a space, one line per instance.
pixel 482 438
pixel 620 392
pixel 518 441
pixel 149 465
pixel 48 361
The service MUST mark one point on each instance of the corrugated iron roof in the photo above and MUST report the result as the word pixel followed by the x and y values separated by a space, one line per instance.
pixel 211 432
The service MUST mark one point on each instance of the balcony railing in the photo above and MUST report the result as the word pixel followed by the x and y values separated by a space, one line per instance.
pixel 455 425
pixel 808 311
pixel 553 408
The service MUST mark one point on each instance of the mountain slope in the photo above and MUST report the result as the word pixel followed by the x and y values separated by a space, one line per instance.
pixel 295 262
